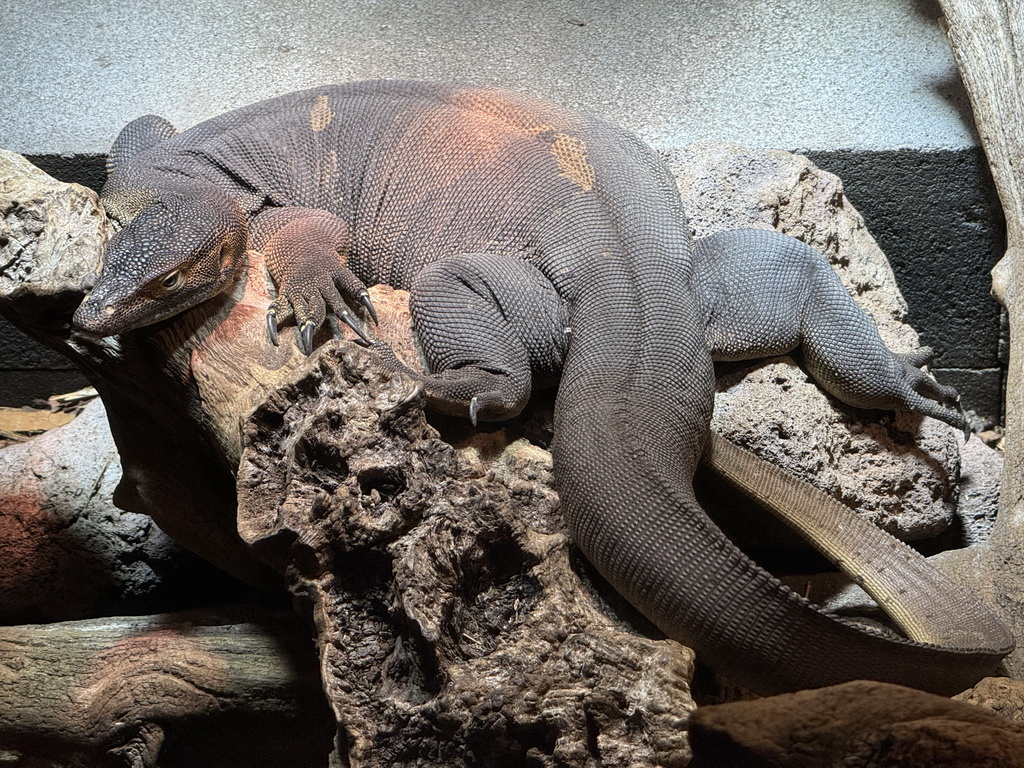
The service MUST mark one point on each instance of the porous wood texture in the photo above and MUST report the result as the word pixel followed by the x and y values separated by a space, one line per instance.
pixel 455 628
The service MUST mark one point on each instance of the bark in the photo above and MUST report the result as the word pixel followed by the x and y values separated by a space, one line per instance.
pixel 987 37
pixel 204 688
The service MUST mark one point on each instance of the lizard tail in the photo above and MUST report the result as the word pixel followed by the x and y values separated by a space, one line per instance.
pixel 624 458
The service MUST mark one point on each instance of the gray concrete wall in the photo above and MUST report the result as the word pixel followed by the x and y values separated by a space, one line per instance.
pixel 868 89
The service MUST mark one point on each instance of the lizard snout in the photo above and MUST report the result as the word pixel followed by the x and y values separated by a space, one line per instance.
pixel 98 314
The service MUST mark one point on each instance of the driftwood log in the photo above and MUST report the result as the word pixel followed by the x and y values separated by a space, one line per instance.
pixel 455 624
pixel 987 37
pixel 229 687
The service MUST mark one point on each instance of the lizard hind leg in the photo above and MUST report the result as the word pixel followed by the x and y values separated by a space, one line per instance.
pixel 846 355
pixel 763 293
pixel 491 327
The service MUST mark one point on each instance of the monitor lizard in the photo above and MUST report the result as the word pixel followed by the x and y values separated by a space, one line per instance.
pixel 545 247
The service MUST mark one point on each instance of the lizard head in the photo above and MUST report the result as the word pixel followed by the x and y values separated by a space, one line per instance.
pixel 180 250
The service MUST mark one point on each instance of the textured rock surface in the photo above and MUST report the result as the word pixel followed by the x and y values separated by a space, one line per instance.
pixel 979 489
pixel 455 629
pixel 899 471
pixel 911 463
pixel 68 552
pixel 1002 695
pixel 856 725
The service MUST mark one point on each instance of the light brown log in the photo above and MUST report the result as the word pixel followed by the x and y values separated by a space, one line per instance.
pixel 114 691
pixel 987 37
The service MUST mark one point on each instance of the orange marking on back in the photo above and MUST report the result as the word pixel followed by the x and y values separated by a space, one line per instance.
pixel 525 117
pixel 500 107
pixel 320 115
pixel 571 155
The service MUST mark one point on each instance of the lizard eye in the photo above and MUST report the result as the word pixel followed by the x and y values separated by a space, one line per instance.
pixel 172 280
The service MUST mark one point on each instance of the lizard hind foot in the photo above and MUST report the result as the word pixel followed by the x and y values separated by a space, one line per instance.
pixel 920 392
pixel 939 401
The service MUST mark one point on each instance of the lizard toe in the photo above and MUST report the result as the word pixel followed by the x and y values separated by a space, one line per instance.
pixel 340 310
pixel 928 387
pixel 278 313
pixel 310 313
pixel 954 416
pixel 350 289
pixel 922 393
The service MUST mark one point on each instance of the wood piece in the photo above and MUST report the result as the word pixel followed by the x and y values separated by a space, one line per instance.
pixel 119 691
pixel 454 626
pixel 987 37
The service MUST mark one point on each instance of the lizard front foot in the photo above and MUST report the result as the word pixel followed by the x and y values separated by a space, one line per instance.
pixel 307 254
pixel 307 305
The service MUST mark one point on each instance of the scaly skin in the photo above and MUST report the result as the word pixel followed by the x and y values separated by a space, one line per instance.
pixel 539 246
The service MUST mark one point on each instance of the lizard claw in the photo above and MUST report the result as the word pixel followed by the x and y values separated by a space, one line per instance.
pixel 346 317
pixel 306 337
pixel 363 297
pixel 474 406
pixel 272 326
